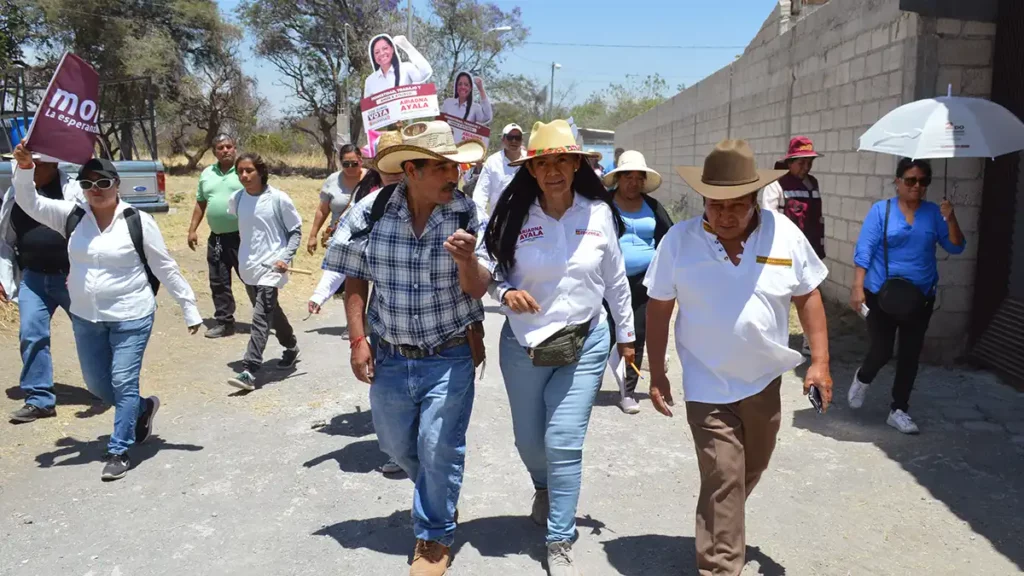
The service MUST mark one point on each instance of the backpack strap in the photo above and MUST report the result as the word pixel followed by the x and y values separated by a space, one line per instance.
pixel 134 221
pixel 380 205
pixel 73 220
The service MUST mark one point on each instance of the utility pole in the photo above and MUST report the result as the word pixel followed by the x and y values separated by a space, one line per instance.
pixel 551 90
pixel 408 29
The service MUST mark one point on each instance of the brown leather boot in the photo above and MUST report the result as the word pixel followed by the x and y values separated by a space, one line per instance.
pixel 430 559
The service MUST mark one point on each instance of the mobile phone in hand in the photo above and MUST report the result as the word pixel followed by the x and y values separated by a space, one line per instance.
pixel 864 310
pixel 815 397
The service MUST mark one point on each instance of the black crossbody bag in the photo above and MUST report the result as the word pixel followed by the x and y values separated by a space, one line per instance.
pixel 562 348
pixel 898 297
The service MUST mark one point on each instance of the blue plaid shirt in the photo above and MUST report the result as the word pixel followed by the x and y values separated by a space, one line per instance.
pixel 417 300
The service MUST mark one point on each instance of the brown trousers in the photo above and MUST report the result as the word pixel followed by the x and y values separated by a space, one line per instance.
pixel 734 443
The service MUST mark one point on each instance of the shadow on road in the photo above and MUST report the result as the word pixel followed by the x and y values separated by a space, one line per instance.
pixel 354 424
pixel 611 397
pixel 493 537
pixel 69 396
pixel 74 452
pixel 269 373
pixel 658 555
pixel 976 475
pixel 240 327
pixel 360 457
pixel 330 331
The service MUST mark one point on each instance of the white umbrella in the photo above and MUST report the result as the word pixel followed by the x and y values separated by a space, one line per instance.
pixel 946 127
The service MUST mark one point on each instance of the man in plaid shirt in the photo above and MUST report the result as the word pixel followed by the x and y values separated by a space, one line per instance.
pixel 411 241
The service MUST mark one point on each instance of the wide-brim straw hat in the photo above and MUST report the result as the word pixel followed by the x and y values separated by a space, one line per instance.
pixel 384 141
pixel 633 161
pixel 555 137
pixel 729 172
pixel 431 140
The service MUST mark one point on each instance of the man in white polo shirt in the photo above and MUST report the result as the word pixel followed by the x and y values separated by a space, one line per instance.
pixel 734 272
pixel 498 172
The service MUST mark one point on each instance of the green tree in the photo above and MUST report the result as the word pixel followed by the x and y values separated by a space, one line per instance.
pixel 15 30
pixel 633 98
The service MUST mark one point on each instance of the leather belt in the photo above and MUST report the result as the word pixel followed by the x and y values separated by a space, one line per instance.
pixel 418 353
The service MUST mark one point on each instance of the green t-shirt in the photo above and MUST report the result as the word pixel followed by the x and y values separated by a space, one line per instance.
pixel 215 188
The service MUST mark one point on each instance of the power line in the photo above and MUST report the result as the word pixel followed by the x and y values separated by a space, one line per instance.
pixel 643 46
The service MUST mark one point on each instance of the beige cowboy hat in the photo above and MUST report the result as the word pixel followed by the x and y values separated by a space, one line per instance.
pixel 431 140
pixel 633 161
pixel 729 172
pixel 384 141
pixel 555 137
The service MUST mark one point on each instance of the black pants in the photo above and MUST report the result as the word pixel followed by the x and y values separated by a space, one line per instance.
pixel 883 329
pixel 266 314
pixel 639 294
pixel 222 258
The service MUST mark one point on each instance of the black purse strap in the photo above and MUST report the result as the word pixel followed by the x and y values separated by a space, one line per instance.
pixel 885 237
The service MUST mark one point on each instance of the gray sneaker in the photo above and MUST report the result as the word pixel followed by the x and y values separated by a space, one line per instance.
pixel 221 330
pixel 560 560
pixel 541 505
pixel 31 413
pixel 629 405
pixel 390 467
pixel 243 380
pixel 116 466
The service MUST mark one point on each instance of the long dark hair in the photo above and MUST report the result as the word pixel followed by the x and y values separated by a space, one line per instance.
pixel 469 100
pixel 506 222
pixel 368 184
pixel 395 62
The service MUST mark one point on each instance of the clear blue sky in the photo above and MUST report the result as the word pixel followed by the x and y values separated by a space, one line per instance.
pixel 633 22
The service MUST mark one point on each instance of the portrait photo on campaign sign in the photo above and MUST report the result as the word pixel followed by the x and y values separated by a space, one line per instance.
pixel 389 69
pixel 466 105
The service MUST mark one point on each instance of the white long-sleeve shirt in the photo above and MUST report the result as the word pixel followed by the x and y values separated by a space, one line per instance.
pixel 107 281
pixel 480 112
pixel 569 266
pixel 494 177
pixel 414 71
pixel 329 284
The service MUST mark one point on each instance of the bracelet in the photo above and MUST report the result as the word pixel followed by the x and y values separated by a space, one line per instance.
pixel 352 345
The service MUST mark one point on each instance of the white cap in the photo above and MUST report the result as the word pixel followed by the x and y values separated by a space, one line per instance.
pixel 510 127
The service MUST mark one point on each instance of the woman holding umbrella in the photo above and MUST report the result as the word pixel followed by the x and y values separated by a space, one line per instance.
pixel 896 276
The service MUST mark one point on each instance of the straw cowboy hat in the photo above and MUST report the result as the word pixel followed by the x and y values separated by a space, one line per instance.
pixel 801 147
pixel 555 137
pixel 427 141
pixel 729 172
pixel 633 161
pixel 384 141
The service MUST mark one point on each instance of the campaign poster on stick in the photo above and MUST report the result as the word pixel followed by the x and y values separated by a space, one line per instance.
pixel 65 125
pixel 389 70
pixel 398 105
pixel 465 130
pixel 467 105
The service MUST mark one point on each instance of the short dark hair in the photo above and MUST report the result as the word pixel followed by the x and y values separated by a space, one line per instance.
pixel 258 163
pixel 417 164
pixel 906 164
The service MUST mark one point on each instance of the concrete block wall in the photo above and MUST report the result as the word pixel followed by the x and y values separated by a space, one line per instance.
pixel 830 76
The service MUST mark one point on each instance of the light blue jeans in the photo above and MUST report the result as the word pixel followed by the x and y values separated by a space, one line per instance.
pixel 111 357
pixel 421 411
pixel 550 413
pixel 39 296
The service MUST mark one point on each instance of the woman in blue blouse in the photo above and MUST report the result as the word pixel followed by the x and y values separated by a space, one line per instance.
pixel 646 222
pixel 915 226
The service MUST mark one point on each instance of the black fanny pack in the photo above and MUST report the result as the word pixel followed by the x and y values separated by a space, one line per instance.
pixel 562 348
pixel 898 297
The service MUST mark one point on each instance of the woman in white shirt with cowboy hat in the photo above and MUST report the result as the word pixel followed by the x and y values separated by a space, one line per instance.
pixel 462 106
pixel 552 245
pixel 113 299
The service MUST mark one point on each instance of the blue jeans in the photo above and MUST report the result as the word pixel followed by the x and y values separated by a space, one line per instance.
pixel 550 413
pixel 421 410
pixel 111 357
pixel 39 295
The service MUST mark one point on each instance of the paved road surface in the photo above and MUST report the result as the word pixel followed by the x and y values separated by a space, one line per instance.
pixel 283 481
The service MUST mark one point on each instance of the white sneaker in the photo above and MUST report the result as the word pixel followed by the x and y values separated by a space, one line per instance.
pixel 858 390
pixel 629 405
pixel 390 467
pixel 901 421
pixel 560 560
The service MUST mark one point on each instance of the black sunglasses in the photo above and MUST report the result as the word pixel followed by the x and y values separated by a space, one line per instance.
pixel 514 138
pixel 349 164
pixel 102 184
pixel 911 181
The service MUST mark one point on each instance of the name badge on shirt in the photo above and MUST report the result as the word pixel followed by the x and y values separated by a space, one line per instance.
pixel 787 262
pixel 530 234
pixel 589 232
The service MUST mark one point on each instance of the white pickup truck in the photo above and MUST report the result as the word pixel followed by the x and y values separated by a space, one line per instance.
pixel 142 182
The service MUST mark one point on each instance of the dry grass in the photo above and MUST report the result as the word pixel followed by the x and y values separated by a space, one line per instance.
pixel 313 159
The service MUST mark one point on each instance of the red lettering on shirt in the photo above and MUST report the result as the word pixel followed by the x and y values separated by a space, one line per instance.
pixel 589 232
pixel 531 233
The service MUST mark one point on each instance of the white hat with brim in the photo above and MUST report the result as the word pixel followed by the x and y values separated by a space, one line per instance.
pixel 428 141
pixel 555 137
pixel 729 172
pixel 633 161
